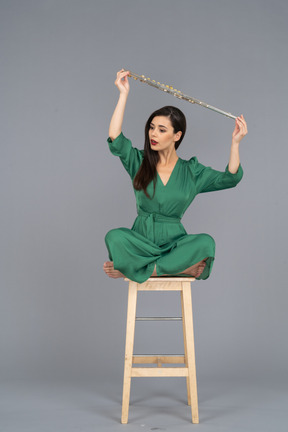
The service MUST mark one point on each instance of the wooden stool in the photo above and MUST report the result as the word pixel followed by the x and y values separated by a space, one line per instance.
pixel 188 359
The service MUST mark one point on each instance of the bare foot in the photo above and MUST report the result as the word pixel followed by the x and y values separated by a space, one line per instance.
pixel 196 270
pixel 108 268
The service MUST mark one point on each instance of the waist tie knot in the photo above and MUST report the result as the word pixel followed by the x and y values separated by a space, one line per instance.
pixel 159 217
pixel 156 217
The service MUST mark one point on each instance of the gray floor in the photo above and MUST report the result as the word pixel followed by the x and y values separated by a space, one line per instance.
pixel 156 405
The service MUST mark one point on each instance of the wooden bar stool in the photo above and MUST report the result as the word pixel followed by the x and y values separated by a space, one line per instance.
pixel 188 359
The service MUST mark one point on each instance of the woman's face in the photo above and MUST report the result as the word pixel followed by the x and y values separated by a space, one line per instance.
pixel 161 133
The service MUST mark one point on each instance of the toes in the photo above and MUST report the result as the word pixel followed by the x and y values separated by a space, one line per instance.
pixel 111 272
pixel 201 269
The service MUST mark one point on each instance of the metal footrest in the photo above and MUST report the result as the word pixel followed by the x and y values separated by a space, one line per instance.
pixel 158 318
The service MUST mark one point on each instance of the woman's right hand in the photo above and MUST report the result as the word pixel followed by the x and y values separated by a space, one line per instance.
pixel 122 82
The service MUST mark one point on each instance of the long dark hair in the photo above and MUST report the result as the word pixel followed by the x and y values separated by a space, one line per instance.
pixel 147 171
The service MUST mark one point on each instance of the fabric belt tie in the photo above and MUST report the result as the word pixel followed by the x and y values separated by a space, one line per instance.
pixel 156 217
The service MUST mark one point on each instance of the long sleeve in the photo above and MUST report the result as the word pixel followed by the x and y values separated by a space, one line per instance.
pixel 130 157
pixel 207 179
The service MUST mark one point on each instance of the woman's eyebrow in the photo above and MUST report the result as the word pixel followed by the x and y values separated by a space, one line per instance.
pixel 152 124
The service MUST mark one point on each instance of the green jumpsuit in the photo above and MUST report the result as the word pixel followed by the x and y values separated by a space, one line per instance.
pixel 157 235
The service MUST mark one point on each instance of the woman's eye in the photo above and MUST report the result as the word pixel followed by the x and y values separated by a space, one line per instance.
pixel 162 130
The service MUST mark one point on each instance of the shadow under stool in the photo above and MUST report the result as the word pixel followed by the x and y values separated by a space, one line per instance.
pixel 188 370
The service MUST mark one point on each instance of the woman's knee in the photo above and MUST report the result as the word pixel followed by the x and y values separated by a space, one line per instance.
pixel 111 236
pixel 115 235
pixel 209 240
pixel 200 241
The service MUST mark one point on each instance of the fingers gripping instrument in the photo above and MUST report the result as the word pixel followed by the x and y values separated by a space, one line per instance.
pixel 178 94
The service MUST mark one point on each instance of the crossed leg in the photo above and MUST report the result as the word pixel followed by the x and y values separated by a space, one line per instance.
pixel 194 271
pixel 188 248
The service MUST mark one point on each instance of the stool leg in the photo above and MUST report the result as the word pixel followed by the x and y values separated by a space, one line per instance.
pixel 189 335
pixel 185 351
pixel 130 330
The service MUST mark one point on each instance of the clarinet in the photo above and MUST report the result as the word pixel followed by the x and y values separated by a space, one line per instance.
pixel 178 93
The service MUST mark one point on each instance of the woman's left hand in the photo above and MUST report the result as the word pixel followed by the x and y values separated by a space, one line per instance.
pixel 240 130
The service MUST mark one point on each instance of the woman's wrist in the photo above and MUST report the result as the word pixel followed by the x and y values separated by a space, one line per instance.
pixel 235 144
pixel 123 95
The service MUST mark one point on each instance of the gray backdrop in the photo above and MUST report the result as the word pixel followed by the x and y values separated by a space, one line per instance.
pixel 61 189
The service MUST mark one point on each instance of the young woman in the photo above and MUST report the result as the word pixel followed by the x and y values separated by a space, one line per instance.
pixel 164 186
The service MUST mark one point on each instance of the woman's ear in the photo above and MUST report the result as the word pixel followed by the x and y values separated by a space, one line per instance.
pixel 178 136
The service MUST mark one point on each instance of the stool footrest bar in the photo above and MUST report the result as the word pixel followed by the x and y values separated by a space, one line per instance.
pixel 159 372
pixel 156 359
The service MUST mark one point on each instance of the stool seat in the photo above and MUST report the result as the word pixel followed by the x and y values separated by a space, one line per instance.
pixel 188 370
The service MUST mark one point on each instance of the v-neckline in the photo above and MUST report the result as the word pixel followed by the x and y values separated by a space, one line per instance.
pixel 164 185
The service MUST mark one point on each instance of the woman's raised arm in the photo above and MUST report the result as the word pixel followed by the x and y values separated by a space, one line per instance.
pixel 122 84
pixel 239 132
